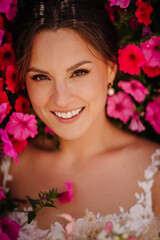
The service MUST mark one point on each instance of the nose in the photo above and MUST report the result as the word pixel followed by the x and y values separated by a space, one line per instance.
pixel 62 95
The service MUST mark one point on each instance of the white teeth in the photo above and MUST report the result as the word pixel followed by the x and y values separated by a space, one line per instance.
pixel 68 114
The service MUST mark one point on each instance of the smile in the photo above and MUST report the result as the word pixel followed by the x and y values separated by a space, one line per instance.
pixel 67 115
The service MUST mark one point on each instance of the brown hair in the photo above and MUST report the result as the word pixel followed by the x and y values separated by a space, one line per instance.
pixel 87 17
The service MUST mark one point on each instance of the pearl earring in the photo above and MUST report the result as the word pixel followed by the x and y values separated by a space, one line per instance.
pixel 111 90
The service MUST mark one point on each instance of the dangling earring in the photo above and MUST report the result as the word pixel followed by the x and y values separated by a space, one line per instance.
pixel 111 90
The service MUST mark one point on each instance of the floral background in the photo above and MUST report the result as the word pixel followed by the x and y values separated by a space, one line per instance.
pixel 135 106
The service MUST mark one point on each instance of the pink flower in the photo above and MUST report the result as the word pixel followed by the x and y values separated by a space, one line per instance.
pixel 2 195
pixel 120 3
pixel 109 227
pixel 136 124
pixel 11 78
pixel 66 196
pixel 48 130
pixel 153 114
pixel 151 51
pixel 3 108
pixel 70 228
pixel 1 36
pixel 130 59
pixel 9 7
pixel 22 126
pixel 9 228
pixel 132 238
pixel 135 88
pixel 120 106
pixel 8 147
pixel 4 99
pixel 143 12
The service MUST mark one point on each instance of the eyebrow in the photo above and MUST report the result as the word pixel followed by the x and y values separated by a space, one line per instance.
pixel 33 69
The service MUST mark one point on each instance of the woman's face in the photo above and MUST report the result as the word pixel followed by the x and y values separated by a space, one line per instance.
pixel 67 82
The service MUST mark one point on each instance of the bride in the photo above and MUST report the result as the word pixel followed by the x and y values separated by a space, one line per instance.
pixel 66 53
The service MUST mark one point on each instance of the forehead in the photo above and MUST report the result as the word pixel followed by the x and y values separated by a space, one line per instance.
pixel 63 45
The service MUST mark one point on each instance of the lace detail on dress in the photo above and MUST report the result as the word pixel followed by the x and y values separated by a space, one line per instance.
pixel 140 214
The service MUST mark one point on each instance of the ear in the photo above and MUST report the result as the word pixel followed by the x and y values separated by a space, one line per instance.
pixel 112 71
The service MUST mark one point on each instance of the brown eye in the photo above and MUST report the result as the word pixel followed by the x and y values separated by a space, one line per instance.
pixel 40 77
pixel 79 73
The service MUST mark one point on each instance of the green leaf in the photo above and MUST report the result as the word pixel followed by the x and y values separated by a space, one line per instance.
pixel 50 205
pixel 31 216
pixel 32 202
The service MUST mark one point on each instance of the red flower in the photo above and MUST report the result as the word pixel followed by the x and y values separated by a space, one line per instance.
pixel 1 23
pixel 19 146
pixel 133 23
pixel 1 36
pixel 22 104
pixel 11 78
pixel 4 99
pixel 1 84
pixel 8 37
pixel 130 59
pixel 151 71
pixel 6 56
pixel 143 12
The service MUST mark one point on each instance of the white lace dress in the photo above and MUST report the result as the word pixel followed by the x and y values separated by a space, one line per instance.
pixel 138 216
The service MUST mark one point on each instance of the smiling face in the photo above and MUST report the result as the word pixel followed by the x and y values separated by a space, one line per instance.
pixel 67 83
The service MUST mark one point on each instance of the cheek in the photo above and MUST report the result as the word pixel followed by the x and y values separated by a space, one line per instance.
pixel 38 96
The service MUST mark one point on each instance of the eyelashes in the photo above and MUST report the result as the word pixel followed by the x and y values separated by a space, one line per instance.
pixel 77 73
pixel 40 77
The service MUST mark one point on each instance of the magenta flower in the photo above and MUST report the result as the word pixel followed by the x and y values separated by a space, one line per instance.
pixel 136 124
pixel 9 7
pixel 108 227
pixel 146 31
pixel 120 3
pixel 8 147
pixel 1 36
pixel 3 109
pixel 120 106
pixel 9 228
pixel 22 126
pixel 48 130
pixel 130 59
pixel 153 114
pixel 2 195
pixel 66 196
pixel 135 88
pixel 151 51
